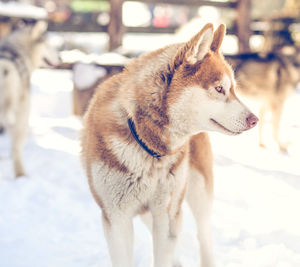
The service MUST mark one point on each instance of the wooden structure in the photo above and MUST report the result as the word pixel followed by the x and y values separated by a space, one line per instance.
pixel 116 29
pixel 243 22
pixel 243 26
pixel 243 8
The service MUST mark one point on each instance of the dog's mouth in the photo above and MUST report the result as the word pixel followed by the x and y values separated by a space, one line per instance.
pixel 224 128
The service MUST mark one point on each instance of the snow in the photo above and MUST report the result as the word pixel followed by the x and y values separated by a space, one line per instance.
pixel 22 10
pixel 49 218
pixel 86 75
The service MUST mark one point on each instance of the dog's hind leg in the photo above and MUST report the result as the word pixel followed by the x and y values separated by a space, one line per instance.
pixel 261 124
pixel 19 133
pixel 276 119
pixel 18 139
pixel 119 235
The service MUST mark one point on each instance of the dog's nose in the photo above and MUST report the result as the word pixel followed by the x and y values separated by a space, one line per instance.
pixel 251 120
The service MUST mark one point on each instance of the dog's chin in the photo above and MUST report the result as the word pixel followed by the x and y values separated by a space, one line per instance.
pixel 220 128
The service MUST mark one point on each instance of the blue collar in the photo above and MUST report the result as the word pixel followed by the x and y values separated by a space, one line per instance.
pixel 140 142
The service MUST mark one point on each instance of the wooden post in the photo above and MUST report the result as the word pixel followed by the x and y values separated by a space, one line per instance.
pixel 115 26
pixel 243 25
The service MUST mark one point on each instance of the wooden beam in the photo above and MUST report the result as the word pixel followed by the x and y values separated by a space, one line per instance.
pixel 71 27
pixel 169 29
pixel 243 21
pixel 66 27
pixel 115 27
pixel 94 27
pixel 229 4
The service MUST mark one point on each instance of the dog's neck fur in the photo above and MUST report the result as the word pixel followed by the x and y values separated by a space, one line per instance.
pixel 150 116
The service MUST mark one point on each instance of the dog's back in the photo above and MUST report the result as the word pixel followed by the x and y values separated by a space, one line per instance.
pixel 265 75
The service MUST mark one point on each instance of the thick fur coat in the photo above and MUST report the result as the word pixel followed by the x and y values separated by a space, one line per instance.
pixel 172 96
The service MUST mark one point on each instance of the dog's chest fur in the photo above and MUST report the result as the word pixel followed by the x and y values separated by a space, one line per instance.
pixel 148 179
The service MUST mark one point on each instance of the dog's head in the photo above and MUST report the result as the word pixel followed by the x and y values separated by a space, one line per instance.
pixel 201 93
pixel 44 55
pixel 32 40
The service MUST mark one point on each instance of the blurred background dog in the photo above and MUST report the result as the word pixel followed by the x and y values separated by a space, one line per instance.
pixel 269 79
pixel 20 54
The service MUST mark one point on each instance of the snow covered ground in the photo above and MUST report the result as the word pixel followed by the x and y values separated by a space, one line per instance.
pixel 49 219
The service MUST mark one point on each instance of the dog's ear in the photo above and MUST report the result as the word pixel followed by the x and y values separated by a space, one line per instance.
pixel 196 48
pixel 38 29
pixel 218 38
pixel 199 45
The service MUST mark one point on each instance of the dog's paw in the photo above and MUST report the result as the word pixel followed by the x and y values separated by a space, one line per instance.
pixel 262 145
pixel 19 168
pixel 284 147
pixel 20 173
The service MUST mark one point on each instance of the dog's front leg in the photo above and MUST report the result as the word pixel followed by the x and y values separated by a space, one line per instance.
pixel 166 226
pixel 200 202
pixel 165 232
pixel 119 236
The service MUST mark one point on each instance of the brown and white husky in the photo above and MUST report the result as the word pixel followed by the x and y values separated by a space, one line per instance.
pixel 145 148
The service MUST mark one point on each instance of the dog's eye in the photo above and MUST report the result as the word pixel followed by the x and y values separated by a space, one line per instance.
pixel 220 89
